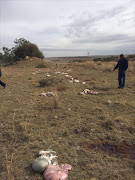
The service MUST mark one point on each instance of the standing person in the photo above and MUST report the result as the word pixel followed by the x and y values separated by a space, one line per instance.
pixel 2 83
pixel 122 65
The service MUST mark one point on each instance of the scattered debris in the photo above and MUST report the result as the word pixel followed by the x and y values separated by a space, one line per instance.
pixel 68 76
pixel 64 73
pixel 83 82
pixel 47 94
pixel 69 70
pixel 88 91
pixel 36 72
pixel 57 72
pixel 75 81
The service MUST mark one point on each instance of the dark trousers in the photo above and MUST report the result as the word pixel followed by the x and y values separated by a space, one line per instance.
pixel 121 78
pixel 2 83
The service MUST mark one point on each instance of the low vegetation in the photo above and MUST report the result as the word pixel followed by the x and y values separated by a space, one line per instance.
pixel 93 133
pixel 41 66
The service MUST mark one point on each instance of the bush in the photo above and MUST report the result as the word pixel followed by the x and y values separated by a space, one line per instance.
pixel 28 49
pixel 106 59
pixel 131 56
pixel 22 49
pixel 46 82
pixel 41 66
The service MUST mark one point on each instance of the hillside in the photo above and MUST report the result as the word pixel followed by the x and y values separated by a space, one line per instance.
pixel 93 133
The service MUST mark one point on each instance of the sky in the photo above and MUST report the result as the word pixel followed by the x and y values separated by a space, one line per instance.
pixel 63 28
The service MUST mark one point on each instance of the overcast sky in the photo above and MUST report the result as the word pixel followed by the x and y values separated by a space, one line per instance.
pixel 70 27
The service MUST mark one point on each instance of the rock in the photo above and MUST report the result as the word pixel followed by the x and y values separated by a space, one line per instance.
pixel 26 57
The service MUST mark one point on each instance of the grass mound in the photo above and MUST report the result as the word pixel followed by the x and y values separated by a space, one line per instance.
pixel 31 62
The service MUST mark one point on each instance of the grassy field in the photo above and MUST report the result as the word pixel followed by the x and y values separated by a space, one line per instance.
pixel 93 133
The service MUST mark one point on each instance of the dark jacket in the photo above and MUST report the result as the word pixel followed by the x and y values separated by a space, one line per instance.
pixel 122 64
pixel 0 72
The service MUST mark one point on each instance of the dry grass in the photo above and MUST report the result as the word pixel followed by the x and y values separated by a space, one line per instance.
pixel 83 130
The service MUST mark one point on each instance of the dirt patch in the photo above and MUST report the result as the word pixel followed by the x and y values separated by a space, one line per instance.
pixel 123 149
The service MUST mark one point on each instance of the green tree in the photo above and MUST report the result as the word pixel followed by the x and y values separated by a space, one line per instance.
pixel 21 49
pixel 27 49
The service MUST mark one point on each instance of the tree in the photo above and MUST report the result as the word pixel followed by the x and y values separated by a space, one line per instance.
pixel 22 49
pixel 27 49
pixel 20 42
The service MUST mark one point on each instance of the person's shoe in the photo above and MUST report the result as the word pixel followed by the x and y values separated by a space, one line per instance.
pixel 119 87
pixel 4 86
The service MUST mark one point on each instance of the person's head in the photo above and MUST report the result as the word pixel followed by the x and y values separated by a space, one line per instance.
pixel 121 56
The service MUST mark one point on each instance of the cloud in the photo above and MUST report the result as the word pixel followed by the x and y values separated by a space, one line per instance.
pixel 91 23
pixel 73 25
pixel 103 38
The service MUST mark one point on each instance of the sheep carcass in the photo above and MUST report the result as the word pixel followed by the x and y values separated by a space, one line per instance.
pixel 57 172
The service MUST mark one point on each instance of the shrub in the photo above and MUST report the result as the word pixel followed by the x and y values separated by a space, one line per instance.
pixel 131 56
pixel 46 82
pixel 22 49
pixel 41 66
pixel 27 49
pixel 106 59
